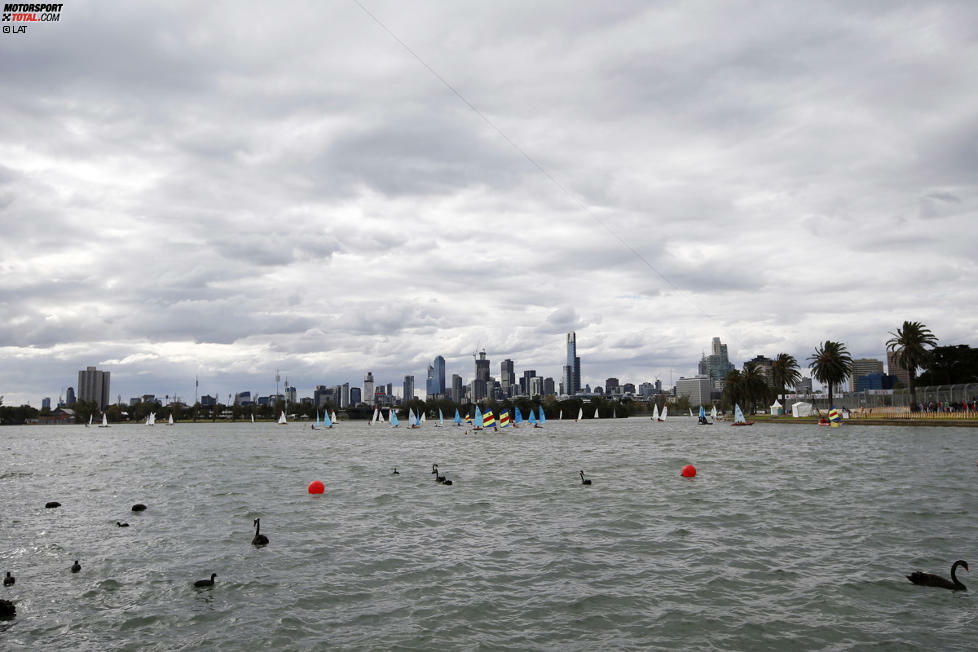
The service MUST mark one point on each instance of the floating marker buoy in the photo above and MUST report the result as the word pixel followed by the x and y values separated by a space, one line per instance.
pixel 316 487
pixel 689 471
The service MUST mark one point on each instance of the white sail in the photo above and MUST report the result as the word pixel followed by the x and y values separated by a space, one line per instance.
pixel 374 420
pixel 334 416
pixel 614 413
pixel 665 412
pixel 105 422
pixel 690 412
pixel 170 423
pixel 281 419
pixel 560 416
pixel 423 417
pixel 252 418
pixel 580 414
pixel 713 413
pixel 655 411
pixel 596 413
pixel 89 419
pixel 151 419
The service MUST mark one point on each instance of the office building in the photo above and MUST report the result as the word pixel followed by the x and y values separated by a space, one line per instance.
pixel 480 386
pixel 368 387
pixel 408 388
pixel 457 391
pixel 345 395
pixel 70 396
pixel 93 385
pixel 894 368
pixel 804 386
pixel 507 376
pixel 717 364
pixel 290 395
pixel 765 366
pixel 355 397
pixel 572 370
pixel 439 366
pixel 865 367
pixel 697 389
pixel 548 387
pixel 46 402
pixel 628 388
pixel 536 386
pixel 611 386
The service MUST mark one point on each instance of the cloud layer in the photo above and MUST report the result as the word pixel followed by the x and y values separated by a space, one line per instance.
pixel 249 190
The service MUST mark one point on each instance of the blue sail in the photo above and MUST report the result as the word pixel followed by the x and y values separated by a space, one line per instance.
pixel 702 412
pixel 317 418
pixel 533 417
pixel 477 422
pixel 738 414
pixel 458 419
pixel 543 418
pixel 326 422
pixel 394 421
pixel 519 416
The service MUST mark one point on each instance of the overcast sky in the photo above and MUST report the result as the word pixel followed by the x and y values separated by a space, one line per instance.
pixel 222 189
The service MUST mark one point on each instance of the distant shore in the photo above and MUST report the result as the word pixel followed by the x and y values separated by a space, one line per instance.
pixel 808 421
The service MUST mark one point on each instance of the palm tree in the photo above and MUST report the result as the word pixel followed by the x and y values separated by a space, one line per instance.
pixel 785 373
pixel 754 384
pixel 733 388
pixel 909 343
pixel 831 364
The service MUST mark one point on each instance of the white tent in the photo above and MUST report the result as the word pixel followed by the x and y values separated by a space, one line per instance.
pixel 801 410
pixel 777 408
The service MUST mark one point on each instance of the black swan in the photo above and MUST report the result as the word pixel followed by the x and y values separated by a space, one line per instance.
pixel 260 539
pixel 52 505
pixel 929 579
pixel 434 469
pixel 7 609
pixel 395 471
pixel 75 567
pixel 122 524
pixel 9 579
pixel 583 481
pixel 139 507
pixel 210 582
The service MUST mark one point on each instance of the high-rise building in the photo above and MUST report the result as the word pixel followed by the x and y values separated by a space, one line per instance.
pixel 646 389
pixel 804 385
pixel 572 370
pixel 320 395
pixel 611 386
pixel 536 386
pixel 765 366
pixel 430 387
pixel 507 375
pixel 548 386
pixel 355 399
pixel 408 388
pixel 93 385
pixel 717 363
pixel 481 387
pixel 864 367
pixel 456 388
pixel 439 375
pixel 628 388
pixel 345 396
pixel 70 396
pixel 528 376
pixel 368 387
pixel 46 402
pixel 290 395
pixel 697 389
pixel 894 368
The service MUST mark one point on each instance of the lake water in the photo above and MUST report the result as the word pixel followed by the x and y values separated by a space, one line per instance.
pixel 789 537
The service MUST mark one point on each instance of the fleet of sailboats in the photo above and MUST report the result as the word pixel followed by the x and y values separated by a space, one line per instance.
pixel 151 419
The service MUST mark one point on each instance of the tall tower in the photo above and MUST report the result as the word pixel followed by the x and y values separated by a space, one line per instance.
pixel 481 375
pixel 439 378
pixel 368 388
pixel 572 370
pixel 93 385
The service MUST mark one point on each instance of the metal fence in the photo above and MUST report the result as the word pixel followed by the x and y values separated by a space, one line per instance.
pixel 934 398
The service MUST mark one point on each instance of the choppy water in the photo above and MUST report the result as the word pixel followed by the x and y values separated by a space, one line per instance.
pixel 790 537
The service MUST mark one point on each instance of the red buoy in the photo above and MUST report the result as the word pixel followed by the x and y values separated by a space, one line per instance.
pixel 689 471
pixel 316 487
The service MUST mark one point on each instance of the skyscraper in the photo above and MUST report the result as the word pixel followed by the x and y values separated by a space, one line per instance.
pixel 355 396
pixel 481 376
pixel 70 396
pixel 572 370
pixel 408 388
pixel 430 387
pixel 717 363
pixel 345 396
pixel 456 388
pixel 864 367
pixel 507 376
pixel 368 388
pixel 93 385
pixel 439 366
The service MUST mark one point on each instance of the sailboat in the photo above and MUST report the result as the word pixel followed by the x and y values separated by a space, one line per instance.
pixel 170 422
pixel 596 413
pixel 655 411
pixel 394 422
pixel 281 419
pixel 703 421
pixel 413 420
pixel 690 411
pixel 665 413
pixel 614 413
pixel 89 421
pixel 315 426
pixel 560 417
pixel 739 419
pixel 532 418
pixel 252 418
pixel 477 421
pixel 441 420
pixel 489 420
pixel 458 419
pixel 151 419
pixel 713 414
pixel 504 421
pixel 326 421
pixel 518 418
pixel 334 419
pixel 105 422
pixel 542 420
pixel 423 418
pixel 580 414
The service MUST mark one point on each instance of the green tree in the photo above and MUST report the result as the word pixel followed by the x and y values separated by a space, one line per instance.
pixel 785 373
pixel 733 389
pixel 754 385
pixel 831 364
pixel 950 365
pixel 910 344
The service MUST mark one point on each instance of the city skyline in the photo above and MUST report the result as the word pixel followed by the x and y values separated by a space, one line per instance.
pixel 647 176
